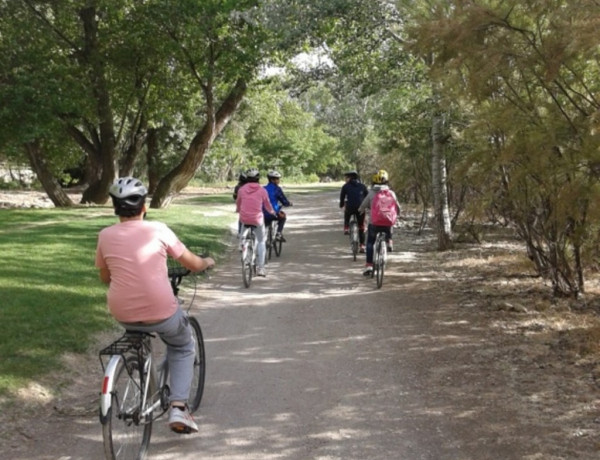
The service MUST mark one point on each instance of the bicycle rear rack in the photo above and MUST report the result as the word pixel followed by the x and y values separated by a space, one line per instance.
pixel 131 342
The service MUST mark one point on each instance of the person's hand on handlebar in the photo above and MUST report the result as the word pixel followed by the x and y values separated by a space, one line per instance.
pixel 195 263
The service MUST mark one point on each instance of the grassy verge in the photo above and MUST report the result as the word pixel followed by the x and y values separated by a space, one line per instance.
pixel 52 299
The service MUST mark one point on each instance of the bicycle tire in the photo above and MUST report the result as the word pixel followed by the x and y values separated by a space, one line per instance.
pixel 381 263
pixel 269 242
pixel 354 238
pixel 124 435
pixel 277 246
pixel 247 267
pixel 197 389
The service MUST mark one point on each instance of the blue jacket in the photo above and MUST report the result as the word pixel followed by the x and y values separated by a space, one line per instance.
pixel 276 197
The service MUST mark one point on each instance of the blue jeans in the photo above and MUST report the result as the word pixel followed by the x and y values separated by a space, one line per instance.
pixel 177 335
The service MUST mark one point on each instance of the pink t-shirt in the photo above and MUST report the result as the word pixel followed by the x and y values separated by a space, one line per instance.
pixel 135 253
pixel 250 201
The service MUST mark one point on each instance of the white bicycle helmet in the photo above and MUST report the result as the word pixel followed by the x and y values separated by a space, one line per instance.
pixel 128 195
pixel 252 175
pixel 274 175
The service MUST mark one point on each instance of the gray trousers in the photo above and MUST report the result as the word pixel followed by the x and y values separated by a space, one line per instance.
pixel 177 335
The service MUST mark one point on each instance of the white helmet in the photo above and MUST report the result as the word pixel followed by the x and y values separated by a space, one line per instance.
pixel 128 195
pixel 274 175
pixel 252 175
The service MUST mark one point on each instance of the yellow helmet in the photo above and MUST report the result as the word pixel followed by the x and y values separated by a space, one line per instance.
pixel 380 177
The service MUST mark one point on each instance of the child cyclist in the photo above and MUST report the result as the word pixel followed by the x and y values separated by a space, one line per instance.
pixel 351 196
pixel 132 258
pixel 384 208
pixel 278 200
pixel 250 202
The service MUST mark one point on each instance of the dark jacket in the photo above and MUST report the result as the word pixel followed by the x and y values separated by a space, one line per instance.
pixel 353 193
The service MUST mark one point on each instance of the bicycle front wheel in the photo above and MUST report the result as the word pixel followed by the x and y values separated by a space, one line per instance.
pixel 126 435
pixel 199 367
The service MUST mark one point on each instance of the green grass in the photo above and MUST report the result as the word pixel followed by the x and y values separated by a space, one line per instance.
pixel 52 299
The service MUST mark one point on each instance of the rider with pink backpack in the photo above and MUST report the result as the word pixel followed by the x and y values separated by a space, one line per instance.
pixel 384 207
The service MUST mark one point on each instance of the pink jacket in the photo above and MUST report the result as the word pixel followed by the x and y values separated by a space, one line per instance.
pixel 250 201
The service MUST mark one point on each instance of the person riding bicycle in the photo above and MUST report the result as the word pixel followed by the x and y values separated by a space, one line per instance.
pixel 351 196
pixel 250 201
pixel 132 258
pixel 241 182
pixel 384 207
pixel 278 200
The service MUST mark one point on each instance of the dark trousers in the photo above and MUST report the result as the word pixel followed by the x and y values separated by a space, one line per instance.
pixel 280 222
pixel 373 231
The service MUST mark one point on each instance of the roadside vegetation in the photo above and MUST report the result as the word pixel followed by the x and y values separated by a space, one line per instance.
pixel 53 302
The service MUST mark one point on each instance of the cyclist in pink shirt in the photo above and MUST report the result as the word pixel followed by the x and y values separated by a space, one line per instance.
pixel 251 199
pixel 132 258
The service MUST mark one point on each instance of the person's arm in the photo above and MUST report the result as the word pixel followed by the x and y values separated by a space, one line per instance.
pixel 282 198
pixel 342 197
pixel 366 203
pixel 195 263
pixel 105 275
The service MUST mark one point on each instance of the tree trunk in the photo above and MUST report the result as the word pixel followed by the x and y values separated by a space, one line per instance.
pixel 152 160
pixel 440 187
pixel 97 192
pixel 136 142
pixel 37 160
pixel 179 177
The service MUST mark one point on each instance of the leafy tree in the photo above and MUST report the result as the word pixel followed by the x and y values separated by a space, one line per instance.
pixel 533 118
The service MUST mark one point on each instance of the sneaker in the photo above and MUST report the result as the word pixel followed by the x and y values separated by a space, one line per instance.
pixel 181 421
pixel 279 237
pixel 346 231
pixel 390 246
pixel 368 270
pixel 261 272
pixel 362 249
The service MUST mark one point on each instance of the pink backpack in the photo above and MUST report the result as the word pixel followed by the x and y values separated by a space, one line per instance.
pixel 383 208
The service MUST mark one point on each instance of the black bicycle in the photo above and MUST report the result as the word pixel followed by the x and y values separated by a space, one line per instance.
pixel 274 244
pixel 135 389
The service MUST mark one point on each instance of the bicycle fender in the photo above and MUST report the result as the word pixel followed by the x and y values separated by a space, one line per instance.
pixel 107 388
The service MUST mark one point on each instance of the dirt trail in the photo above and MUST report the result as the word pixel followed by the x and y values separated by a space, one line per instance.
pixel 314 362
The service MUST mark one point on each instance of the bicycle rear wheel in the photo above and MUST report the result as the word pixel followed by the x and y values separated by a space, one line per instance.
pixel 269 242
pixel 354 238
pixel 247 263
pixel 277 246
pixel 199 367
pixel 125 434
pixel 382 255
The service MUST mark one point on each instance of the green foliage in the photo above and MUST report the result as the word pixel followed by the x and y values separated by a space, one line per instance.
pixel 53 301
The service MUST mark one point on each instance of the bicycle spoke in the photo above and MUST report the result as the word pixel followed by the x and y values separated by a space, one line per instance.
pixel 126 436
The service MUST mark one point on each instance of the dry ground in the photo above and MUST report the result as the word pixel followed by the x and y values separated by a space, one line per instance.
pixel 547 350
